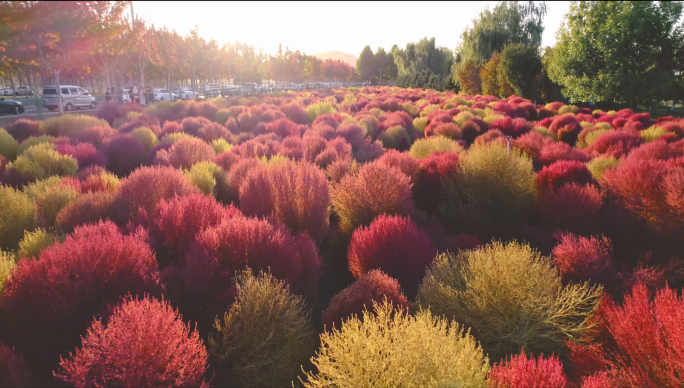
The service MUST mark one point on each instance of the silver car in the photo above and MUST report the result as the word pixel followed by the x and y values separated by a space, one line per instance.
pixel 73 97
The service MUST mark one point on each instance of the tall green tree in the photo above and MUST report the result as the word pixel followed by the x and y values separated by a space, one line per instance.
pixel 521 67
pixel 510 22
pixel 423 55
pixel 365 65
pixel 618 51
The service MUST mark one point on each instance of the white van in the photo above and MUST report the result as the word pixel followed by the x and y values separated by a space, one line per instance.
pixel 73 97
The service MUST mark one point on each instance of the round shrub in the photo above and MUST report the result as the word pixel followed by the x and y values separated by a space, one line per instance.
pixel 572 207
pixel 223 250
pixel 492 191
pixel 375 190
pixel 428 184
pixel 393 349
pixel 23 129
pixel 184 153
pixel 85 154
pixel 31 141
pixel 395 137
pixel 265 336
pixel 144 342
pixel 48 303
pixel 42 161
pixel 175 223
pixel 532 372
pixel 210 179
pixel 510 297
pixel 146 136
pixel 146 187
pixel 68 125
pixel 95 135
pixel 599 165
pixel 237 174
pixel 561 172
pixel 86 209
pixel 581 258
pixel 374 286
pixel 17 214
pixel 53 199
pixel 296 194
pixel 395 246
pixel 124 154
pixel 8 146
pixel 638 343
pixel 6 265
pixel 34 242
pixel 614 143
pixel 404 161
pixel 422 148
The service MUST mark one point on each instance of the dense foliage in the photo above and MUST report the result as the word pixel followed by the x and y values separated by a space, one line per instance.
pixel 345 198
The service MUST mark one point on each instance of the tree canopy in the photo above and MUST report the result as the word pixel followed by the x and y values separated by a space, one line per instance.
pixel 619 51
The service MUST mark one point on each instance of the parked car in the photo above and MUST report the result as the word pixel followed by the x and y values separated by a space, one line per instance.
pixel 164 95
pixel 7 92
pixel 23 91
pixel 185 93
pixel 231 90
pixel 73 97
pixel 9 107
pixel 212 90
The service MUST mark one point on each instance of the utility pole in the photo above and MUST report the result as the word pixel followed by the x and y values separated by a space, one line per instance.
pixel 132 14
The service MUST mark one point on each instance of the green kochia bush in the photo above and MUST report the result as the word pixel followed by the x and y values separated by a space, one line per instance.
pixel 42 161
pixel 17 214
pixel 266 335
pixel 8 146
pixel 490 193
pixel 511 297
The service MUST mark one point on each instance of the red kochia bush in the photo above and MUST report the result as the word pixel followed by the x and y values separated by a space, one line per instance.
pixel 427 187
pixel 572 207
pixel 614 143
pixel 523 372
pixel 139 121
pixel 144 343
pixel 582 258
pixel 146 187
pixel 95 135
pixel 184 153
pixel 109 112
pixel 283 127
pixel 124 154
pixel 14 372
pixel 296 194
pixel 561 172
pixel 641 342
pixel 394 245
pixel 175 223
pixel 404 161
pixel 87 208
pixel 22 129
pixel 48 303
pixel 567 120
pixel 374 286
pixel 84 153
pixel 294 112
pixel 220 251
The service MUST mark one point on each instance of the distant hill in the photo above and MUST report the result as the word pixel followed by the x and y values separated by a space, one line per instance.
pixel 338 55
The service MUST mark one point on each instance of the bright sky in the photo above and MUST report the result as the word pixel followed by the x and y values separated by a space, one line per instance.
pixel 315 27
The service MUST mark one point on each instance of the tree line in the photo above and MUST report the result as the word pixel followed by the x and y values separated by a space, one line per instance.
pixel 617 52
pixel 99 43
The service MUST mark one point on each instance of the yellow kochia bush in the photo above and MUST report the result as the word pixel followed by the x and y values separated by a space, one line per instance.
pixel 42 161
pixel 395 349
pixel 17 214
pixel 511 297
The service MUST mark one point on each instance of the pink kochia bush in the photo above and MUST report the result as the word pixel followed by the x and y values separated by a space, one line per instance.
pixel 523 372
pixel 176 222
pixel 49 302
pixel 184 153
pixel 296 194
pixel 146 187
pixel 395 246
pixel 124 153
pixel 239 242
pixel 572 208
pixel 374 286
pixel 580 258
pixel 638 344
pixel 144 343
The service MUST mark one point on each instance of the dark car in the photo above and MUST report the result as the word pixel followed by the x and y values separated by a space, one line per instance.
pixel 9 107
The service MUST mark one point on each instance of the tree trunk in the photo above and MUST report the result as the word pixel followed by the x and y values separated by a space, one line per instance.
pixel 168 78
pixel 59 94
pixel 106 71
